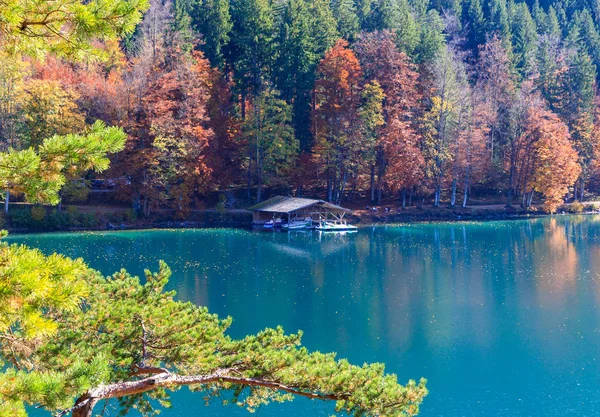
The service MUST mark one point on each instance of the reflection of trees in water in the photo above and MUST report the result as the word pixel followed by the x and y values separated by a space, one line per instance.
pixel 445 270
pixel 402 285
pixel 557 263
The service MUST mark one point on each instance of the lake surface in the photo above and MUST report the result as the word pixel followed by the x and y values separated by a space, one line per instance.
pixel 502 318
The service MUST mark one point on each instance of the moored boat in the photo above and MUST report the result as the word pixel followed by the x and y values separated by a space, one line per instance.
pixel 273 223
pixel 335 226
pixel 299 224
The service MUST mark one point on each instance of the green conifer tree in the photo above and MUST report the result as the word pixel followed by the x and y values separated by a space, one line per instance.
pixel 345 13
pixel 213 20
pixel 524 39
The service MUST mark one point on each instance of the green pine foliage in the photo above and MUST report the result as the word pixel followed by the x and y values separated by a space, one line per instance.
pixel 252 47
pixel 40 174
pixel 136 343
pixel 344 12
pixel 212 18
pixel 38 27
pixel 306 30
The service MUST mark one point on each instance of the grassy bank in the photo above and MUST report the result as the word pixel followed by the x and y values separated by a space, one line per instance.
pixel 23 218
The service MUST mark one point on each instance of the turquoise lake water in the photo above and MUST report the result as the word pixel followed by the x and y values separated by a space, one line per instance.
pixel 502 318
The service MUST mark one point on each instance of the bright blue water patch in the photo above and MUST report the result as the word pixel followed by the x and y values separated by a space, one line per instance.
pixel 502 318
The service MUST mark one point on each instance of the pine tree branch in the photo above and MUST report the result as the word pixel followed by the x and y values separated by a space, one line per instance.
pixel 85 404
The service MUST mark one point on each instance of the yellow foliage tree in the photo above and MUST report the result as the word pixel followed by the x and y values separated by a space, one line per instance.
pixel 48 109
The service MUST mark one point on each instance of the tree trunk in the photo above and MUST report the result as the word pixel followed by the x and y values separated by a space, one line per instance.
pixel 249 183
pixel 436 198
pixel 372 182
pixel 453 196
pixel 6 201
pixel 467 179
pixel 380 173
pixel 329 187
pixel 135 202
pixel 334 188
pixel 511 177
pixel 342 187
pixel 243 105
pixel 509 198
pixel 581 189
pixel 404 198
pixel 86 409
pixel 530 199
pixel 146 207
pixel 492 144
pixel 259 188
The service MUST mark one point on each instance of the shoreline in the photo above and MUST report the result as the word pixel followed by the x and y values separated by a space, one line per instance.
pixel 241 219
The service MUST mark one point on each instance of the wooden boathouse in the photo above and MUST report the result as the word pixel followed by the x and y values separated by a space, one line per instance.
pixel 291 208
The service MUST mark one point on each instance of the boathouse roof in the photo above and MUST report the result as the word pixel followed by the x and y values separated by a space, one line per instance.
pixel 281 204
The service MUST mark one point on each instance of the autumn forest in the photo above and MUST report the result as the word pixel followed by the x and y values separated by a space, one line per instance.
pixel 431 101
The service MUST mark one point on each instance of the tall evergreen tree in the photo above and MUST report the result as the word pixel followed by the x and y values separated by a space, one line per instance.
pixel 431 40
pixel 551 25
pixel 524 39
pixel 307 29
pixel 363 11
pixel 268 140
pixel 498 20
pixel 385 14
pixel 474 23
pixel 589 39
pixel 348 23
pixel 251 51
pixel 212 19
pixel 182 23
pixel 407 29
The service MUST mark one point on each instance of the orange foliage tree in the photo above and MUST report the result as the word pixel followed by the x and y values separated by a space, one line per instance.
pixel 556 167
pixel 398 161
pixel 335 117
pixel 546 161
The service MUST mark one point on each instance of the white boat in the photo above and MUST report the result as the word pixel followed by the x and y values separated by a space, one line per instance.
pixel 336 226
pixel 298 224
pixel 273 223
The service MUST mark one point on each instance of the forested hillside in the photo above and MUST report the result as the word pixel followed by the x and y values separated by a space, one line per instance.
pixel 420 100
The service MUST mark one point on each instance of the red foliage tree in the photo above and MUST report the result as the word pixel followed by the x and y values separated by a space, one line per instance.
pixel 166 160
